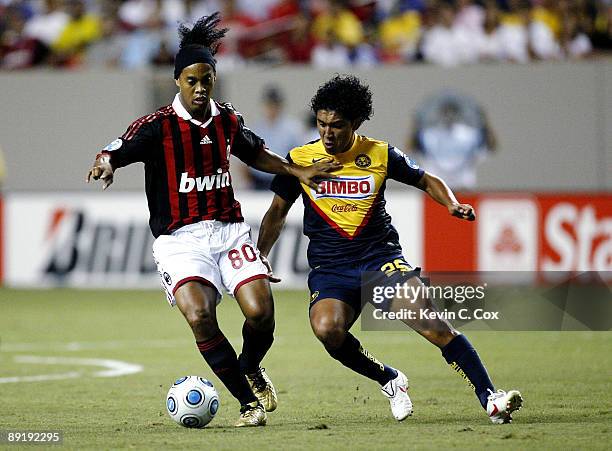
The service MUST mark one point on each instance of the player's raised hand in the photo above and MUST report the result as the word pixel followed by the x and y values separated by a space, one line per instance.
pixel 271 277
pixel 463 211
pixel 102 170
pixel 319 170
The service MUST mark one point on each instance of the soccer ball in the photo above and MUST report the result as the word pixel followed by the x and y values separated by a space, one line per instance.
pixel 192 401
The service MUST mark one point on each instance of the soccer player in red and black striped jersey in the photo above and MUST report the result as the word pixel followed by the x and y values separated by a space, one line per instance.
pixel 203 247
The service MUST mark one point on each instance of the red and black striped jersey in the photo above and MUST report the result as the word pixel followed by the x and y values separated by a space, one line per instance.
pixel 187 163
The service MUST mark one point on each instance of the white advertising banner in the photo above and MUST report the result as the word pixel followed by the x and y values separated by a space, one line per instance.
pixel 102 240
pixel 507 235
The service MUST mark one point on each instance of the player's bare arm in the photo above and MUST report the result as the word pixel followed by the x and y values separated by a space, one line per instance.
pixel 439 191
pixel 274 164
pixel 101 170
pixel 271 226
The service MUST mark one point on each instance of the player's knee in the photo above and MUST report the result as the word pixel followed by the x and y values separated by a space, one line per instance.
pixel 202 321
pixel 330 333
pixel 440 338
pixel 261 317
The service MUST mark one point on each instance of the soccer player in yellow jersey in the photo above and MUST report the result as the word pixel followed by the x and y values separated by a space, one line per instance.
pixel 351 233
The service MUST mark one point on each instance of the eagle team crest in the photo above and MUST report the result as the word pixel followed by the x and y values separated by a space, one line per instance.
pixel 363 161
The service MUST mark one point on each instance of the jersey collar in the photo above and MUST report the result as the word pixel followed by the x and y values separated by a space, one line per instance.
pixel 184 114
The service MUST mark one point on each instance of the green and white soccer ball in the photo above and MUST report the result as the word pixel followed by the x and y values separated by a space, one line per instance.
pixel 192 401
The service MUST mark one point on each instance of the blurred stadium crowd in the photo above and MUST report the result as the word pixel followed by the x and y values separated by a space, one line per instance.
pixel 324 33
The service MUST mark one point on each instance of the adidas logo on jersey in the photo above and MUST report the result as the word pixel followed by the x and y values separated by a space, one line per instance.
pixel 206 140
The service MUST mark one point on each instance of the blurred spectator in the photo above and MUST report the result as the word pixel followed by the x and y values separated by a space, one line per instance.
pixel 18 51
pixel 138 14
pixel 164 56
pixel 280 131
pixel 138 33
pixel 574 41
pixel 386 8
pixel 238 25
pixel 602 24
pixel 448 44
pixel 82 30
pixel 546 12
pixel 513 33
pixel 194 9
pixel 337 18
pixel 144 20
pixel 24 7
pixel 544 29
pixel 285 8
pixel 258 10
pixel 451 135
pixel 330 53
pixel 491 42
pixel 399 34
pixel 298 46
pixel 107 51
pixel 364 54
pixel 46 27
pixel 470 16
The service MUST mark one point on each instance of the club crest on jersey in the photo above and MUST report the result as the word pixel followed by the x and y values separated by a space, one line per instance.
pixel 346 188
pixel 116 144
pixel 363 161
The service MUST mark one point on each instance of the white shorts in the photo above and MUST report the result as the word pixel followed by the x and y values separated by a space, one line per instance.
pixel 219 254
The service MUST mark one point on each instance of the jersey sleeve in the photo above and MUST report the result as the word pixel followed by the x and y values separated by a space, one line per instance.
pixel 286 186
pixel 402 168
pixel 247 144
pixel 136 144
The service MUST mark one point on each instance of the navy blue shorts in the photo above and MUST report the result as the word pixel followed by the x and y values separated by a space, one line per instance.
pixel 344 283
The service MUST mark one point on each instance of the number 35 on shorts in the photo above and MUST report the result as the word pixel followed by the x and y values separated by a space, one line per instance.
pixel 399 264
pixel 238 256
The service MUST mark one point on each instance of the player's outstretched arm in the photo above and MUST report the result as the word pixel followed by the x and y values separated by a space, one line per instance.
pixel 270 162
pixel 439 191
pixel 102 170
pixel 271 226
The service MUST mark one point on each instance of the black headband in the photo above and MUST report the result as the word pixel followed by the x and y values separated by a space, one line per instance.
pixel 192 55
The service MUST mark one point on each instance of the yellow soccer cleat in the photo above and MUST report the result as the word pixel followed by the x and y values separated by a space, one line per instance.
pixel 263 389
pixel 251 415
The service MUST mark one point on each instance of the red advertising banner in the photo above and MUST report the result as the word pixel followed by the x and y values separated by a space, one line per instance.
pixel 450 243
pixel 522 232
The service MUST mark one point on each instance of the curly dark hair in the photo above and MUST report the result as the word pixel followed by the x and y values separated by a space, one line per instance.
pixel 203 33
pixel 347 96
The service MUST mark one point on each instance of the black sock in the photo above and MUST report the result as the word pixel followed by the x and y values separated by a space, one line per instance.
pixel 221 358
pixel 352 355
pixel 463 358
pixel 255 345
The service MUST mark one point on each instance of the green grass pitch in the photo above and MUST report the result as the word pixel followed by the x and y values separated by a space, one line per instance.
pixel 565 378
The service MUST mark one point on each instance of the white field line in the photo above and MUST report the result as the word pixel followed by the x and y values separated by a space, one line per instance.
pixel 74 346
pixel 91 345
pixel 41 377
pixel 111 368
